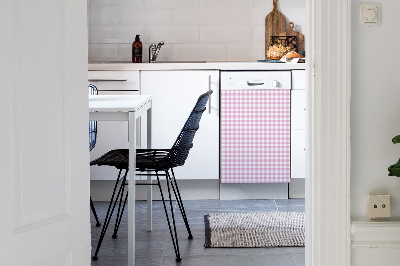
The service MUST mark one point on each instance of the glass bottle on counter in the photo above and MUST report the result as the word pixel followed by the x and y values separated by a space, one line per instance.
pixel 137 50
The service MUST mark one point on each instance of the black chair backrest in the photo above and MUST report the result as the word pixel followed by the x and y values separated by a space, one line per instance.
pixel 180 150
pixel 92 124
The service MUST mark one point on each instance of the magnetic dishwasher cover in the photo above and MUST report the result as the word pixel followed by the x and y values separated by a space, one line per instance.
pixel 255 126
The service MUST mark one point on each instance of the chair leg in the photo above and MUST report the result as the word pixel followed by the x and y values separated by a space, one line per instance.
pixel 110 211
pixel 94 213
pixel 174 185
pixel 174 239
pixel 120 211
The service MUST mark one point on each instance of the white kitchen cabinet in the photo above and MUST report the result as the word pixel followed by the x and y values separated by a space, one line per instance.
pixel 298 79
pixel 298 109
pixel 298 125
pixel 112 134
pixel 174 96
pixel 298 152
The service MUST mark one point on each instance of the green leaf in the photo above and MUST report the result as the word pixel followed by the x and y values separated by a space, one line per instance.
pixel 394 170
pixel 396 139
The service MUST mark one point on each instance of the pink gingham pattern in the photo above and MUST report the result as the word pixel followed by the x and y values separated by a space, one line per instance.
pixel 255 136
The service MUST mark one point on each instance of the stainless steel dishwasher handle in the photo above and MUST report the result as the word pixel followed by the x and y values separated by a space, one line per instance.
pixel 209 89
pixel 249 83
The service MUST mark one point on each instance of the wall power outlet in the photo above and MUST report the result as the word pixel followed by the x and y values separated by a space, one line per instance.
pixel 378 206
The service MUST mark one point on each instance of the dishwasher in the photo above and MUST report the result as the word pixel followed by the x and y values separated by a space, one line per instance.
pixel 255 127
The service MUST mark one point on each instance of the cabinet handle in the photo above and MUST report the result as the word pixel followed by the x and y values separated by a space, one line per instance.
pixel 209 99
pixel 100 80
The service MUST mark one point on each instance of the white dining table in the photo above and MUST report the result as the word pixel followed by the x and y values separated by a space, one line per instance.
pixel 127 108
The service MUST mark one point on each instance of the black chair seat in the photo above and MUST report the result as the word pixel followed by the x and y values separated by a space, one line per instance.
pixel 146 159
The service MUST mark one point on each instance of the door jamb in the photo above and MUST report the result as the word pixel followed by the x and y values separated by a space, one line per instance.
pixel 328 52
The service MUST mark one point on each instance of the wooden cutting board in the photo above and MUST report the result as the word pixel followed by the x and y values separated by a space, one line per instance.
pixel 275 23
pixel 292 32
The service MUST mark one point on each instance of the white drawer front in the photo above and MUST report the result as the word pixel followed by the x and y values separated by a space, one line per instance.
pixel 298 79
pixel 298 154
pixel 115 80
pixel 298 109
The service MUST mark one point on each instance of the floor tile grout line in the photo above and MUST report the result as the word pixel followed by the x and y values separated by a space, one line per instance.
pixel 276 205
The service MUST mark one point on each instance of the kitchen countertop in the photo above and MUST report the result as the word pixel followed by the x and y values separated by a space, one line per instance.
pixel 195 66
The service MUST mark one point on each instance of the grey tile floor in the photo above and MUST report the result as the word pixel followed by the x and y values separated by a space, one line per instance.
pixel 155 248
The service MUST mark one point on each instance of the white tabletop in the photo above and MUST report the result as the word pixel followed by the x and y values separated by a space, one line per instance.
pixel 117 103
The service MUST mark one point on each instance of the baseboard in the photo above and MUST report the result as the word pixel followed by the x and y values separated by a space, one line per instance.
pixel 297 188
pixel 254 191
pixel 375 242
pixel 101 190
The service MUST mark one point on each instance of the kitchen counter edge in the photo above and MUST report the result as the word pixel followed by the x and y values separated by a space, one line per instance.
pixel 195 66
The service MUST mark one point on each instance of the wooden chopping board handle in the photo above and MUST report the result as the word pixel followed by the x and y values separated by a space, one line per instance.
pixel 275 5
pixel 291 26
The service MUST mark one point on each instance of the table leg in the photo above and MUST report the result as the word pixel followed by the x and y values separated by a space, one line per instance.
pixel 132 189
pixel 149 178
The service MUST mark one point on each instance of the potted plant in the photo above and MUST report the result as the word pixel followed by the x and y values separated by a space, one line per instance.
pixel 394 170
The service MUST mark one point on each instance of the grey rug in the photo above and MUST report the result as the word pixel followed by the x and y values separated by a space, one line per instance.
pixel 271 229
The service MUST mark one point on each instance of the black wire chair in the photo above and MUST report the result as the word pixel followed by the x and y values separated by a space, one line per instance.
pixel 154 160
pixel 92 143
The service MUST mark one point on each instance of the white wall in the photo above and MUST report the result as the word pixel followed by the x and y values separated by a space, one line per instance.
pixel 375 120
pixel 375 108
pixel 193 30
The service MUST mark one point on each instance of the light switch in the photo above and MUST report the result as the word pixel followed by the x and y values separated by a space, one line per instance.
pixel 369 14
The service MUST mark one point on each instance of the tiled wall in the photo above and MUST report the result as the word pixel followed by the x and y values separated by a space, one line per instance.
pixel 192 30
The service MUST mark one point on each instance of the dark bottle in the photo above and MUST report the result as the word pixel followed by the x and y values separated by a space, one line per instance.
pixel 137 50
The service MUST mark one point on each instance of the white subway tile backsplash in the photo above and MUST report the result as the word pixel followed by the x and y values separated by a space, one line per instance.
pixel 88 16
pixel 300 28
pixel 214 3
pixel 89 33
pixel 199 16
pixel 192 30
pixel 199 52
pixel 89 52
pixel 246 17
pixel 265 5
pixel 115 34
pixel 105 16
pixel 125 52
pixel 173 34
pixel 245 52
pixel 226 4
pixel 145 17
pixel 104 52
pixel 224 34
pixel 119 3
pixel 239 4
pixel 172 3
pixel 293 10
pixel 258 35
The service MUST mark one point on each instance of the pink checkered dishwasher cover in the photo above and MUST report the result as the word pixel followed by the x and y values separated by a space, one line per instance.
pixel 255 136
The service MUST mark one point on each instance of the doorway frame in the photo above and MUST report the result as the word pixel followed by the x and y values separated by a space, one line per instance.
pixel 328 221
